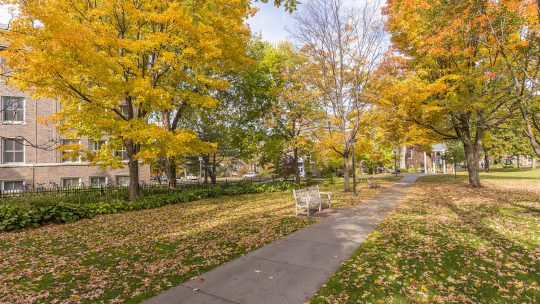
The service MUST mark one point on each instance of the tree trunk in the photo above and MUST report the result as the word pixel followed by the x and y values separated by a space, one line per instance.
pixel 170 171
pixel 206 160
pixel 133 165
pixel 213 176
pixel 529 131
pixel 346 171
pixel 403 157
pixel 534 163
pixel 486 161
pixel 518 161
pixel 472 154
pixel 296 165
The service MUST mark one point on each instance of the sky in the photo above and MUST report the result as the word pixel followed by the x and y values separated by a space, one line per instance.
pixel 4 14
pixel 271 22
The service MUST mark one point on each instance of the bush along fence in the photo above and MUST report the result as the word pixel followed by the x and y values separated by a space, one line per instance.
pixel 115 189
pixel 25 210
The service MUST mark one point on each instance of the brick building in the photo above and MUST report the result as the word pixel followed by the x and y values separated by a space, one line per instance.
pixel 415 159
pixel 34 162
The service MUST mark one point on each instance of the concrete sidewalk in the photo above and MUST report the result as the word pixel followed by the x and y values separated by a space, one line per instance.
pixel 293 269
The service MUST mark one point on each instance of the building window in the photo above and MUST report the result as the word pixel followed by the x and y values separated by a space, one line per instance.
pixel 122 154
pixel 122 180
pixel 98 181
pixel 12 186
pixel 95 145
pixel 13 151
pixel 12 109
pixel 71 182
pixel 410 154
pixel 72 158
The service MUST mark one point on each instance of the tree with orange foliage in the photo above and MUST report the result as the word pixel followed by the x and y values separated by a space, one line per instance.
pixel 514 26
pixel 453 86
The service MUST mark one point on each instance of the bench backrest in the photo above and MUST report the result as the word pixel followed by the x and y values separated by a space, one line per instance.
pixel 303 196
pixel 314 192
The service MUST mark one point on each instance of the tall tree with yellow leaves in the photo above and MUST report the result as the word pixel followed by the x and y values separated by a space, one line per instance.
pixel 114 64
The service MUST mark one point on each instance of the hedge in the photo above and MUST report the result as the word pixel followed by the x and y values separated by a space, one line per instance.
pixel 22 215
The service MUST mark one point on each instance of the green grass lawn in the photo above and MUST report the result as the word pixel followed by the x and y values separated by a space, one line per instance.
pixel 448 243
pixel 129 256
pixel 497 173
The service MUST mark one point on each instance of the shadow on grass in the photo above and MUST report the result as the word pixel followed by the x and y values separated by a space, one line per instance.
pixel 460 178
pixel 435 249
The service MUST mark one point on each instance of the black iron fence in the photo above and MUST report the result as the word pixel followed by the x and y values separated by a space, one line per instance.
pixel 122 191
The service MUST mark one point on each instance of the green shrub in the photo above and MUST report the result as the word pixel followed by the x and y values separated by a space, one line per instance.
pixel 42 209
pixel 331 180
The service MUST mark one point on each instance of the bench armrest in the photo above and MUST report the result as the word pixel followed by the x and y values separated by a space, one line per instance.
pixel 328 194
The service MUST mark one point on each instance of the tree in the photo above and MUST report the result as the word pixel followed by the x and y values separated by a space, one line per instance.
pixel 290 5
pixel 113 64
pixel 508 139
pixel 514 26
pixel 344 46
pixel 237 124
pixel 295 113
pixel 451 74
pixel 454 154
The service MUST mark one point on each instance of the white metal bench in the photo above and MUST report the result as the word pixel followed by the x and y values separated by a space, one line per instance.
pixel 310 198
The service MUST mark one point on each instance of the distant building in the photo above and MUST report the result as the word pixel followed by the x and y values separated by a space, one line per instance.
pixel 415 159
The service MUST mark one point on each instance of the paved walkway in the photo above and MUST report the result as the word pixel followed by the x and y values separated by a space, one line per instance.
pixel 293 269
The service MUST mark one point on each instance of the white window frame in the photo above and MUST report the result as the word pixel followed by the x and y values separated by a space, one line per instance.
pixel 118 176
pixel 97 176
pixel 66 178
pixel 3 187
pixel 121 153
pixel 2 109
pixel 62 152
pixel 92 145
pixel 3 150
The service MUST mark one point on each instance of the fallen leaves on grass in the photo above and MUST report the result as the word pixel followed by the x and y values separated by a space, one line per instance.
pixel 130 256
pixel 447 244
